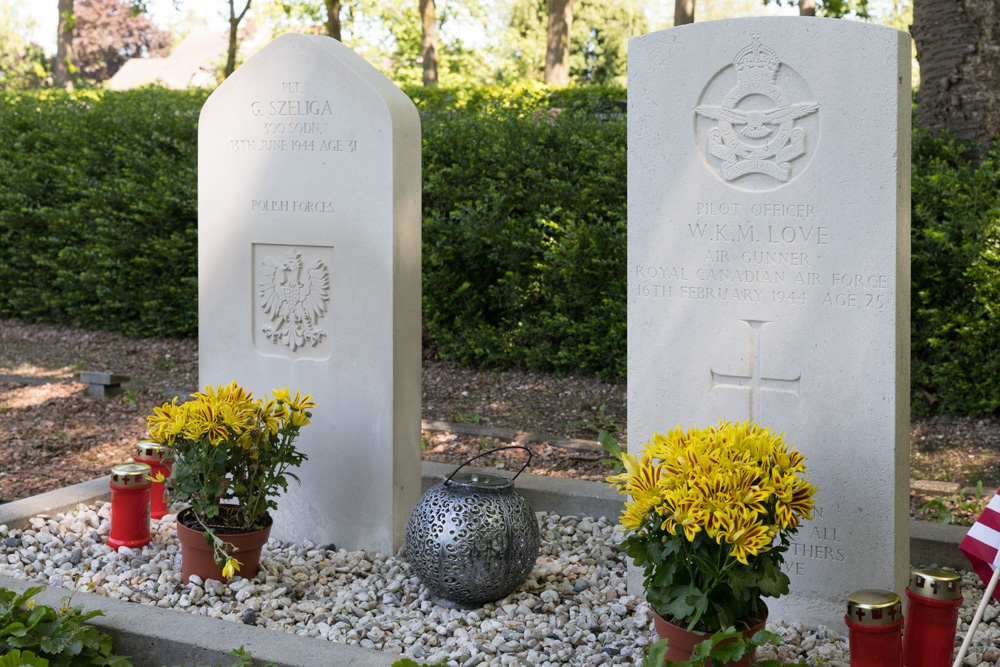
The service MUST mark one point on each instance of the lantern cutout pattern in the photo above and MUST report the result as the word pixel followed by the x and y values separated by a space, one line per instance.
pixel 874 623
pixel 935 594
pixel 157 457
pixel 473 539
pixel 130 506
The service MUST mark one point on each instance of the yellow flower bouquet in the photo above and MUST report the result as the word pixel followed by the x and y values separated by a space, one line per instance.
pixel 232 455
pixel 710 515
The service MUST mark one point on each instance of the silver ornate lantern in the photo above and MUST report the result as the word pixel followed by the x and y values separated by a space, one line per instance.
pixel 472 538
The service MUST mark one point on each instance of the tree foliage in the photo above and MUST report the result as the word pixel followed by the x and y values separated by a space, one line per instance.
pixel 389 34
pixel 598 43
pixel 22 64
pixel 109 32
pixel 832 8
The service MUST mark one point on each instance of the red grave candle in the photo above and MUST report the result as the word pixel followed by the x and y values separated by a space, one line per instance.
pixel 935 594
pixel 130 506
pixel 874 621
pixel 157 457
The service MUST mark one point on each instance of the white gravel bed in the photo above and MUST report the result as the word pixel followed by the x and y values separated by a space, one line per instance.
pixel 572 610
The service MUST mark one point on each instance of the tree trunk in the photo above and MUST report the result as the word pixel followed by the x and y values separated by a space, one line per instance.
pixel 683 12
pixel 333 18
pixel 234 30
pixel 807 7
pixel 429 44
pixel 958 48
pixel 557 43
pixel 63 66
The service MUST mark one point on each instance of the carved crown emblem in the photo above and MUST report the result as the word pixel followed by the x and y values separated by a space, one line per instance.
pixel 756 62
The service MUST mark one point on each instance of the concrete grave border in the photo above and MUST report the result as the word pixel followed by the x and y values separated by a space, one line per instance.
pixel 155 636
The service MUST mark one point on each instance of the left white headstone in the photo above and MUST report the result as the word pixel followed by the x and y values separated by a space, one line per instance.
pixel 309 275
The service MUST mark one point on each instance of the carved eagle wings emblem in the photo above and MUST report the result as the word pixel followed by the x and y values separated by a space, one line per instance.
pixel 759 124
pixel 295 298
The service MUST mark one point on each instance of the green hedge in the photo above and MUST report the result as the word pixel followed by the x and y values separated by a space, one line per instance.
pixel 956 278
pixel 524 239
pixel 98 222
pixel 524 230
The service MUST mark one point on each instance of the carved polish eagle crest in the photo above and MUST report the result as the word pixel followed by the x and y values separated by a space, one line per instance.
pixel 749 139
pixel 295 298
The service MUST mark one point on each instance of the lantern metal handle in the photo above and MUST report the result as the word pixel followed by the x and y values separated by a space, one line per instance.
pixel 493 451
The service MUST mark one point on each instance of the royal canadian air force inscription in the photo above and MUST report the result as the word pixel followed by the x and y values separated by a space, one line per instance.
pixel 764 253
pixel 756 119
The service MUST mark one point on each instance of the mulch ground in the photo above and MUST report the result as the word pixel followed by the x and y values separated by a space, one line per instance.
pixel 53 434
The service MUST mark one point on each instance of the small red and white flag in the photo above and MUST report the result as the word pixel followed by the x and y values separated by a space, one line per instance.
pixel 982 544
pixel 982 547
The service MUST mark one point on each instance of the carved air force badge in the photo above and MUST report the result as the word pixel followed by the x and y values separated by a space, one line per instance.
pixel 755 127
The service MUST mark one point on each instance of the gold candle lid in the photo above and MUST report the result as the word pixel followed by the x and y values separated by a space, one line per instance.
pixel 131 475
pixel 872 606
pixel 147 449
pixel 936 583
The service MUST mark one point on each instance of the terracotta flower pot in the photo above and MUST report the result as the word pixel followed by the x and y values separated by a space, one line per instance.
pixel 197 557
pixel 681 641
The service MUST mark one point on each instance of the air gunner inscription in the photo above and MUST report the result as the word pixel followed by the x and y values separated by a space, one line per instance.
pixel 762 262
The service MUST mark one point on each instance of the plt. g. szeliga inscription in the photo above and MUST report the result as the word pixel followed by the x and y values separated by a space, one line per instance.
pixel 295 122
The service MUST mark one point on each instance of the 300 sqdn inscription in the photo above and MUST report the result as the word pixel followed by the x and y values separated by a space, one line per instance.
pixel 295 123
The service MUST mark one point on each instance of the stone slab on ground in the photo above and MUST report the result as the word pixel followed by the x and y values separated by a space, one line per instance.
pixel 934 488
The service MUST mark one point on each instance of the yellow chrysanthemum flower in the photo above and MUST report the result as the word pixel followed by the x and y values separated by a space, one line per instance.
pixel 684 512
pixel 301 403
pixel 745 533
pixel 232 418
pixel 231 567
pixel 631 468
pixel 795 502
pixel 637 509
pixel 747 492
pixel 164 420
pixel 269 417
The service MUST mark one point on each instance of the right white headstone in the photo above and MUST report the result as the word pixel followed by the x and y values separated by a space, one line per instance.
pixel 769 279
